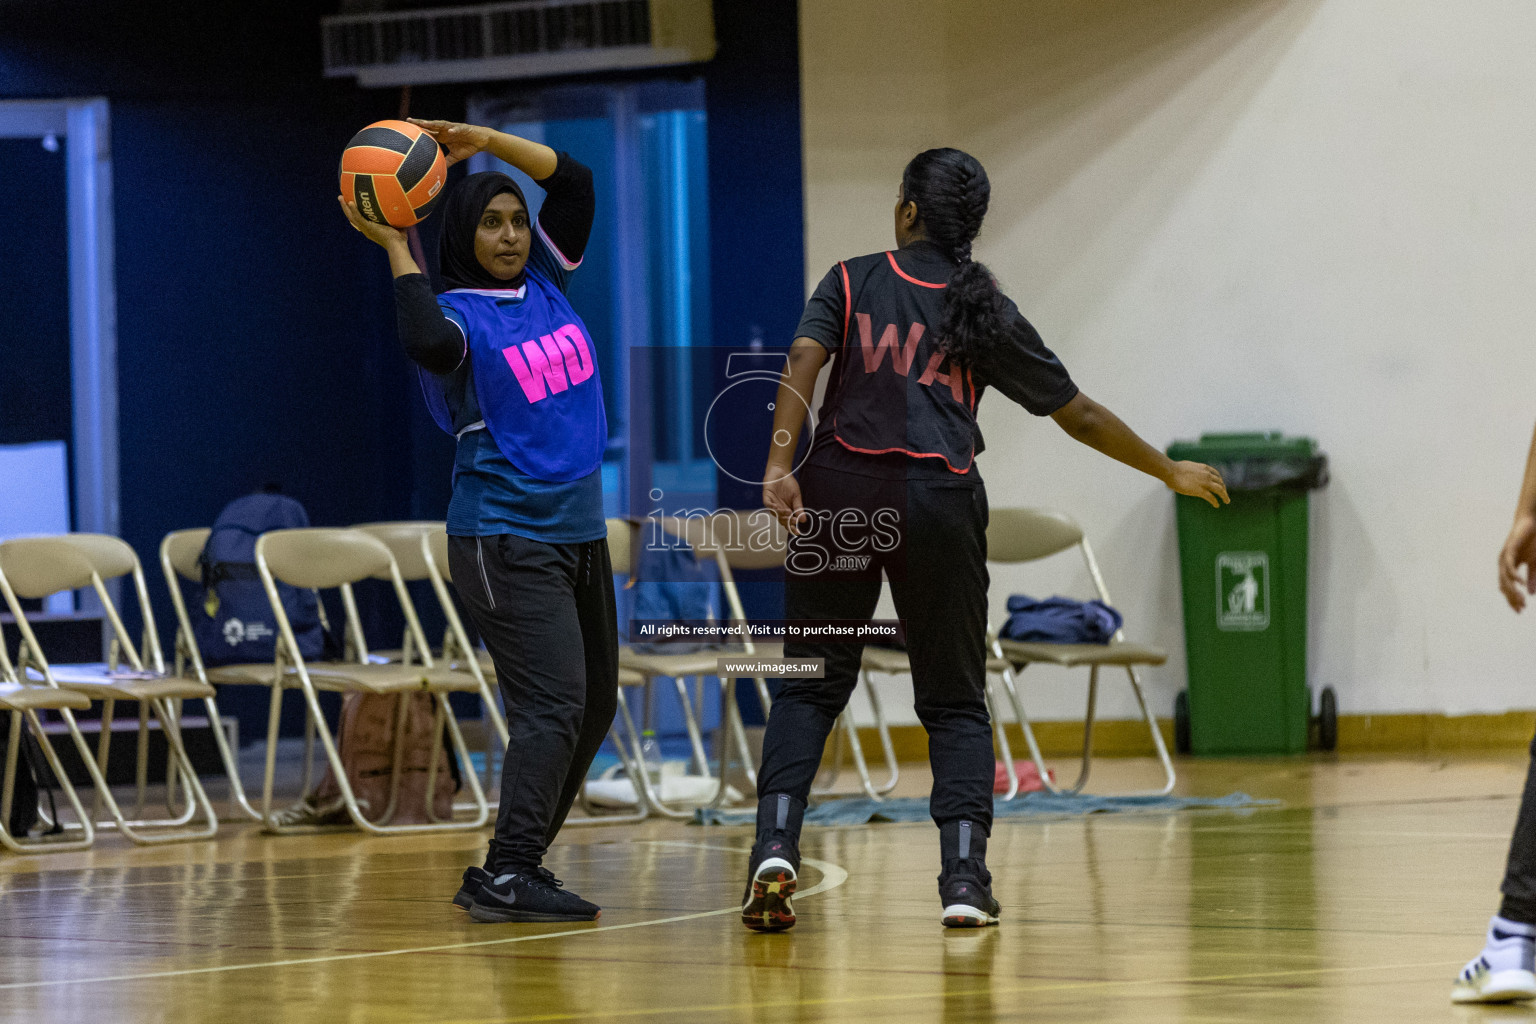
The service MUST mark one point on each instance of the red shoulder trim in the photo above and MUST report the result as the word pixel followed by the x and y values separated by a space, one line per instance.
pixel 847 301
pixel 908 277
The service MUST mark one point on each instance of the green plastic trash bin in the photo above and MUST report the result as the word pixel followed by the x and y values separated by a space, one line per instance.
pixel 1243 569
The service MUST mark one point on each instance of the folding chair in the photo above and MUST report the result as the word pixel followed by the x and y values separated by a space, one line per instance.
pixel 889 661
pixel 322 559
pixel 1016 535
pixel 35 567
pixel 739 540
pixel 466 657
pixel 23 701
pixel 407 541
pixel 403 538
pixel 180 552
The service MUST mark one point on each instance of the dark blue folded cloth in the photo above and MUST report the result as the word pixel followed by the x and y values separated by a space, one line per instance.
pixel 1060 620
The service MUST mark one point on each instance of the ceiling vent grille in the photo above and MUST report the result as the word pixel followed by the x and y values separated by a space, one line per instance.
pixel 516 39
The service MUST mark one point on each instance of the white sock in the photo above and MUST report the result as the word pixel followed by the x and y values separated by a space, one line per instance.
pixel 1511 946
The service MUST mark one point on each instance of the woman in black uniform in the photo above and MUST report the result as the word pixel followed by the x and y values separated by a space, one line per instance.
pixel 890 483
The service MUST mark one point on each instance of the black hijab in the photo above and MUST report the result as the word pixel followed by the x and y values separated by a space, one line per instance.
pixel 461 219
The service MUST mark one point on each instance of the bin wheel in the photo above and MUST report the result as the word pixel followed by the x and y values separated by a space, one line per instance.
pixel 1328 719
pixel 1181 722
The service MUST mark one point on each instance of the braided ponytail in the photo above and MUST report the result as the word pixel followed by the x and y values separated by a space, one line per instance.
pixel 952 191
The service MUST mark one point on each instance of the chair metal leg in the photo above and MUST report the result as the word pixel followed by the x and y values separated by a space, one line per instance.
pixel 1011 686
pixel 397 759
pixel 695 736
pixel 647 792
pixel 836 766
pixel 763 695
pixel 743 749
pixel 176 752
pixel 1088 717
pixel 172 771
pixel 1000 731
pixel 733 733
pixel 308 778
pixel 131 829
pixel 103 747
pixel 141 763
pixel 461 750
pixel 888 748
pixel 632 769
pixel 12 754
pixel 437 749
pixel 231 761
pixel 8 787
pixel 172 780
pixel 1169 775
pixel 857 750
pixel 274 719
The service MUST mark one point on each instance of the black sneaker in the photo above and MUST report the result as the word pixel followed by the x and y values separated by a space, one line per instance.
pixel 475 879
pixel 965 890
pixel 771 882
pixel 529 896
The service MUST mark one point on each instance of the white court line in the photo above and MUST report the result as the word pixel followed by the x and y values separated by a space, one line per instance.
pixel 832 875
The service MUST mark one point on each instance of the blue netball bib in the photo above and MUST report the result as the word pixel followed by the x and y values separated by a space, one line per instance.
pixel 536 379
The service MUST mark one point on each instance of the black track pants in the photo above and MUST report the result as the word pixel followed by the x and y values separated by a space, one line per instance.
pixel 1519 886
pixel 938 574
pixel 546 614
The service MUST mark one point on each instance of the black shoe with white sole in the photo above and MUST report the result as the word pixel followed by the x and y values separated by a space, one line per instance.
pixel 475 879
pixel 771 881
pixel 965 884
pixel 965 890
pixel 529 896
pixel 774 869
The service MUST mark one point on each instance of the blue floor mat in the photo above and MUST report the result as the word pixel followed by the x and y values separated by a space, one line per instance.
pixel 860 810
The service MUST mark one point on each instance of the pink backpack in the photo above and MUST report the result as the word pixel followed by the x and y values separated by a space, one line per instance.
pixel 367 733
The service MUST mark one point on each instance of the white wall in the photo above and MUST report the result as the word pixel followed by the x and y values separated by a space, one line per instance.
pixel 1311 215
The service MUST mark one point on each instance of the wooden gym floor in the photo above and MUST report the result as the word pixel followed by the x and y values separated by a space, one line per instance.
pixel 1356 901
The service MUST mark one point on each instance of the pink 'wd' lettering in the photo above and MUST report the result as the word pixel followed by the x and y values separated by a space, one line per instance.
pixel 543 367
pixel 578 357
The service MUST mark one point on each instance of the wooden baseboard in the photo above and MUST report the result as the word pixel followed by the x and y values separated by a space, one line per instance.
pixel 1412 733
pixel 1436 733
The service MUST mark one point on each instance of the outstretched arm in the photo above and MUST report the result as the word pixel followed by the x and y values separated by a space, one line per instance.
pixel 781 492
pixel 1091 423
pixel 1519 551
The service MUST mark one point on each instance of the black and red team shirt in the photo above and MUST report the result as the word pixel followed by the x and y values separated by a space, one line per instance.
pixel 896 404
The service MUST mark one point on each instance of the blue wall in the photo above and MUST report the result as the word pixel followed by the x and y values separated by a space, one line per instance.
pixel 255 328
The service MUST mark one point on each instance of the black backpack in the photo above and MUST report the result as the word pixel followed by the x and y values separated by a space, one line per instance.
pixel 31 767
pixel 232 621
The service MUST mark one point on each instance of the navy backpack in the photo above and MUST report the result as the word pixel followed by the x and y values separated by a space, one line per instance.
pixel 671 584
pixel 233 622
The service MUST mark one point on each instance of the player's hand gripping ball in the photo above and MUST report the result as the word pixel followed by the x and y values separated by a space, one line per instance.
pixel 394 172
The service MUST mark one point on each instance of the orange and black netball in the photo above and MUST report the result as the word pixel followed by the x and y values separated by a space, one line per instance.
pixel 394 171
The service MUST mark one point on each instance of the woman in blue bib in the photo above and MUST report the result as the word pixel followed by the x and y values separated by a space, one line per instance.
pixel 508 367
